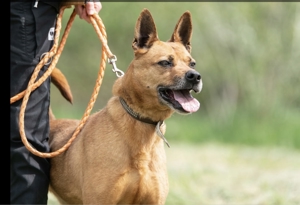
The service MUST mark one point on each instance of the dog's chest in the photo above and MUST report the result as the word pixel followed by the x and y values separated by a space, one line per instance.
pixel 144 187
pixel 145 182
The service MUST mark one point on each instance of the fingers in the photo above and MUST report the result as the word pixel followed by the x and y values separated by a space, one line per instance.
pixel 90 8
pixel 93 7
pixel 97 6
pixel 80 11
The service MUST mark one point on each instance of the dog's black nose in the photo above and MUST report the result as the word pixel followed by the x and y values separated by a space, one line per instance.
pixel 193 76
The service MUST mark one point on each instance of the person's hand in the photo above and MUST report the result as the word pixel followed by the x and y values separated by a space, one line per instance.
pixel 89 9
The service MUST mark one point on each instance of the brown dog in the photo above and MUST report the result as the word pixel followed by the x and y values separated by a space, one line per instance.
pixel 119 156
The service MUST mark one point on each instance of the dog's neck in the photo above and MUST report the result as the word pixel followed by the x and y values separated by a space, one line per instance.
pixel 138 117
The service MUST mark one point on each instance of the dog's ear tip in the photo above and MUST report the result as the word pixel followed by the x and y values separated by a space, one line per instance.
pixel 187 13
pixel 145 10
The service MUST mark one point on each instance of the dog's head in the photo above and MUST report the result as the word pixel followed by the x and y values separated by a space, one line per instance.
pixel 162 75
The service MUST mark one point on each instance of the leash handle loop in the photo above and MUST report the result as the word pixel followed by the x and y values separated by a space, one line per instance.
pixel 55 53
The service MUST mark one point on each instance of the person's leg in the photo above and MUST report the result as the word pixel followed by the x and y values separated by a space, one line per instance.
pixel 29 175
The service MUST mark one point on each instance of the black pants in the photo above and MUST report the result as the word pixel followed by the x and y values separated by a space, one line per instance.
pixel 31 36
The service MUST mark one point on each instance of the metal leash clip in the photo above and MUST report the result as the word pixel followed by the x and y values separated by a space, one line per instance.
pixel 112 61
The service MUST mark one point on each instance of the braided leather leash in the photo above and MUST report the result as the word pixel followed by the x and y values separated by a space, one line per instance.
pixel 55 52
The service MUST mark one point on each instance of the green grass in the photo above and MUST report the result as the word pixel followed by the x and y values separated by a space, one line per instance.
pixel 218 174
pixel 226 174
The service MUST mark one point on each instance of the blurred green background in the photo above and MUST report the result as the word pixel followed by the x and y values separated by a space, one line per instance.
pixel 247 53
pixel 242 146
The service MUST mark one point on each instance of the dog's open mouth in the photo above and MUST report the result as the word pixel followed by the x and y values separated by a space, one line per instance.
pixel 181 100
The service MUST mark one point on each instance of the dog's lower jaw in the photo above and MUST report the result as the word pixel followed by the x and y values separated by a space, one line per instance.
pixel 181 101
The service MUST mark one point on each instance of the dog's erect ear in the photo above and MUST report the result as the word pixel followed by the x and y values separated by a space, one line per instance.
pixel 183 31
pixel 145 31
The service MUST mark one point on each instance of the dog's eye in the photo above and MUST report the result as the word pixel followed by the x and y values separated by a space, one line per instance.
pixel 192 64
pixel 165 63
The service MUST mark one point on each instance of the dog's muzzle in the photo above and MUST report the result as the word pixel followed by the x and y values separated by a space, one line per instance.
pixel 178 96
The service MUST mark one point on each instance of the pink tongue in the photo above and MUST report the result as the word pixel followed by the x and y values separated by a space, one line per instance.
pixel 188 103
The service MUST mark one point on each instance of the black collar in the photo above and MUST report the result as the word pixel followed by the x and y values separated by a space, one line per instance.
pixel 143 119
pixel 136 115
